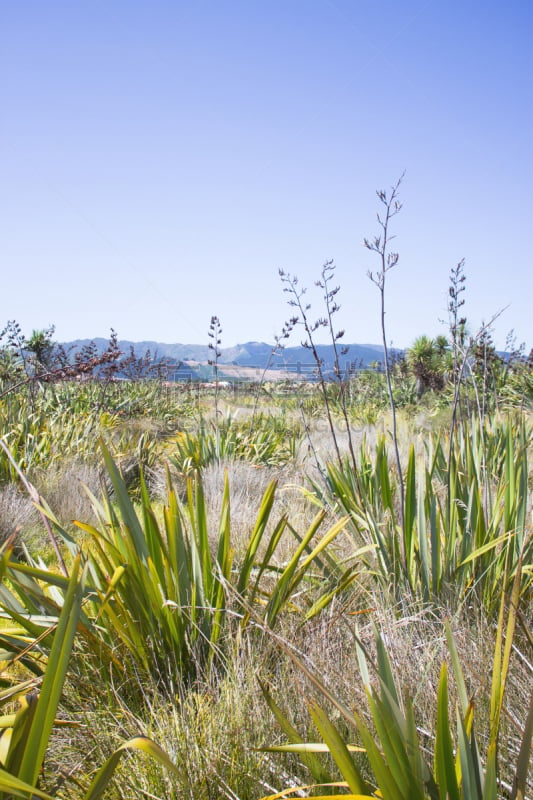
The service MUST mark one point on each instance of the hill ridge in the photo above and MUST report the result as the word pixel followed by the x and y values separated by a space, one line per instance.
pixel 247 354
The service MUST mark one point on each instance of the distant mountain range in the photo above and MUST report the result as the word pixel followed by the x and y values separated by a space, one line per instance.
pixel 193 358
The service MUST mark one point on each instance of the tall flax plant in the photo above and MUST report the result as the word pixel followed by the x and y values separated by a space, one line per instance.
pixel 159 589
pixel 486 519
pixel 388 760
pixel 26 732
pixel 466 513
pixel 163 592
pixel 268 441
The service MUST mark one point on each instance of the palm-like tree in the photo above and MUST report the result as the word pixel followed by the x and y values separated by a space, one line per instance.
pixel 41 346
pixel 428 361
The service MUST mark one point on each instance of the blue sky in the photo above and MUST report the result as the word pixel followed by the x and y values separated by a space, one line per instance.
pixel 160 161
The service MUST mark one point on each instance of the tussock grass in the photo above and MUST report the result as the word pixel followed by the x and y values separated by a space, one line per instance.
pixel 16 511
pixel 63 485
pixel 211 729
pixel 248 483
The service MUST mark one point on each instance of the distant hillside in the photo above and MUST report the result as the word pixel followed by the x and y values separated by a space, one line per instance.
pixel 176 352
pixel 251 354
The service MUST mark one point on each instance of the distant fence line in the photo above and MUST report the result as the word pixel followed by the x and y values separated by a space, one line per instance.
pixel 234 373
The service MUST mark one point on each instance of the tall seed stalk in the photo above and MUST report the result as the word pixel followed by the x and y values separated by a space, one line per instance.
pixel 332 307
pixel 277 349
pixel 457 332
pixel 296 293
pixel 215 333
pixel 380 245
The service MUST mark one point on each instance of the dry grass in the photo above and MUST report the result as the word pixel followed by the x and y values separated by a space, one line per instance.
pixel 247 486
pixel 214 726
pixel 62 485
pixel 17 513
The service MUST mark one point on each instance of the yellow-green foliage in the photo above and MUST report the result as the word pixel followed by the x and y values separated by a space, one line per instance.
pixel 260 440
pixel 466 512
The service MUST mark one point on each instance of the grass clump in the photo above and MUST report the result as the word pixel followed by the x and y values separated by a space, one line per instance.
pixel 261 441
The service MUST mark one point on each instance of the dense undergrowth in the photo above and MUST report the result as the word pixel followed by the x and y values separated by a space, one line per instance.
pixel 256 608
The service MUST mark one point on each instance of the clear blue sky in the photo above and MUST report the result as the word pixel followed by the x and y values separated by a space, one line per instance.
pixel 160 161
